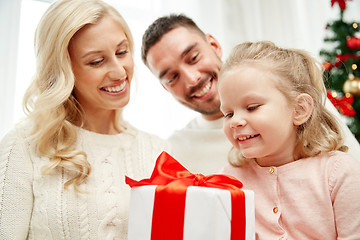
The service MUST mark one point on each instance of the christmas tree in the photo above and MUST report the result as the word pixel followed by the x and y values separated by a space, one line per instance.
pixel 342 67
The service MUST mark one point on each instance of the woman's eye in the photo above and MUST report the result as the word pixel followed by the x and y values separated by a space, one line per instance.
pixel 97 62
pixel 121 53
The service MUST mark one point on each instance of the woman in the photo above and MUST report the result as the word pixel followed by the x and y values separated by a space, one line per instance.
pixel 62 169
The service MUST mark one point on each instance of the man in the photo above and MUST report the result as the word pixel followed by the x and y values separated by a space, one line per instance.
pixel 187 61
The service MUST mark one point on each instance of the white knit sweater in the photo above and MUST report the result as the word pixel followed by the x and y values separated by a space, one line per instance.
pixel 36 206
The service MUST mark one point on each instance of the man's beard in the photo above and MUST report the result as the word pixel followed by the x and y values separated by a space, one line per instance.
pixel 213 101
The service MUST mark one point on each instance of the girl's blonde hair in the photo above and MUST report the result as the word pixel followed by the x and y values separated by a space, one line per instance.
pixel 302 73
pixel 49 100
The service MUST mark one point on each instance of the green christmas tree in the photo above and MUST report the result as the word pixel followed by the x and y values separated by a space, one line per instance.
pixel 342 67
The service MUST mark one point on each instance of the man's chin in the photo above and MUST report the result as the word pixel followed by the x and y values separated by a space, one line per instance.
pixel 208 113
pixel 210 109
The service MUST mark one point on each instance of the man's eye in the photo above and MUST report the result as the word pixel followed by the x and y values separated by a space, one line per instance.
pixel 171 79
pixel 194 58
pixel 174 76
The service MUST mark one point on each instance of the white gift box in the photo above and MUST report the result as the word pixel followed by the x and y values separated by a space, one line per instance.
pixel 207 213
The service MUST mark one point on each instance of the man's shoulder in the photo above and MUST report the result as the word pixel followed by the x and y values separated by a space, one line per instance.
pixel 200 123
pixel 192 124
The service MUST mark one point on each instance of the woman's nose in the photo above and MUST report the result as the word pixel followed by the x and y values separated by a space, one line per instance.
pixel 116 70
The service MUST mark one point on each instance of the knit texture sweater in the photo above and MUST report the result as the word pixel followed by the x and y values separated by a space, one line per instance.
pixel 36 206
pixel 311 198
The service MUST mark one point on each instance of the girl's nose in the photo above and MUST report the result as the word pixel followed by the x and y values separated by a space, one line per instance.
pixel 237 121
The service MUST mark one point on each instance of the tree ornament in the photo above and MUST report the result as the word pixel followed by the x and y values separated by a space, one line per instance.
pixel 327 66
pixel 342 104
pixel 342 58
pixel 352 85
pixel 353 42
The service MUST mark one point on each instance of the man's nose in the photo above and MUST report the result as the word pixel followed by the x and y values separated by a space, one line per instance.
pixel 191 77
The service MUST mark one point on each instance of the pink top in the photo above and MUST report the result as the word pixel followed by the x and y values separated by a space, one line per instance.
pixel 312 198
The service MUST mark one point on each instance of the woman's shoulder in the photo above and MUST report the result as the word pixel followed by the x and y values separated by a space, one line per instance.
pixel 142 134
pixel 148 139
pixel 152 139
pixel 20 131
pixel 147 135
pixel 16 142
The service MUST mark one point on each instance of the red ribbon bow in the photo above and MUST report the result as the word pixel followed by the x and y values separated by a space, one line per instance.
pixel 343 104
pixel 172 180
pixel 342 3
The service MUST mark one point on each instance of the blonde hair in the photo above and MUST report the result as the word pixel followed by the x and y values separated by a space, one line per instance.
pixel 302 73
pixel 49 100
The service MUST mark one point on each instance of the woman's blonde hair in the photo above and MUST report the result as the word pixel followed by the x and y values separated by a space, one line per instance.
pixel 49 100
pixel 302 73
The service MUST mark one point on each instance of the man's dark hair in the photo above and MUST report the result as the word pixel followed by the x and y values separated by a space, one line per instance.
pixel 162 26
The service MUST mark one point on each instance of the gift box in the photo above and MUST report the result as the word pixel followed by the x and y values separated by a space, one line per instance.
pixel 178 205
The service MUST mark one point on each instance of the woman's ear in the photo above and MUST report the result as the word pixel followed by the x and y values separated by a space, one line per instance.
pixel 304 106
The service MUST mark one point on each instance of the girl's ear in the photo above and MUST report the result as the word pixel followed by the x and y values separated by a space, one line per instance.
pixel 304 106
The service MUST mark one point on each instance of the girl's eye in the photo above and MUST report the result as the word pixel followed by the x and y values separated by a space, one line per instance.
pixel 228 115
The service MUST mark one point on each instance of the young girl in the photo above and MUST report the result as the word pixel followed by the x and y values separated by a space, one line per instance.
pixel 62 170
pixel 286 146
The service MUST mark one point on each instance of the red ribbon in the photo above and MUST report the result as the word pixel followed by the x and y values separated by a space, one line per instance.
pixel 172 180
pixel 343 104
pixel 342 3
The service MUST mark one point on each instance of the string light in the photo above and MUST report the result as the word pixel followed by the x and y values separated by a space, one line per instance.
pixel 355 25
pixel 354 66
